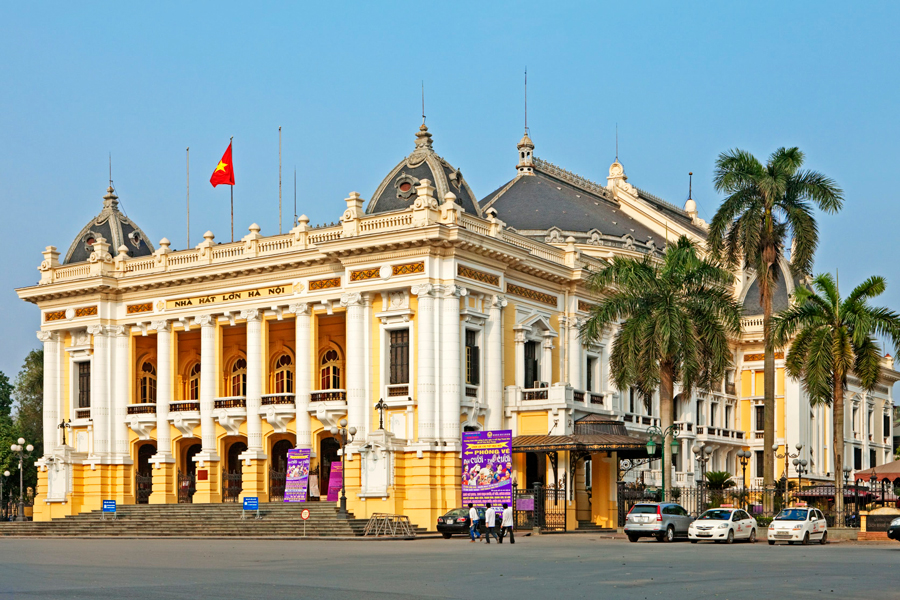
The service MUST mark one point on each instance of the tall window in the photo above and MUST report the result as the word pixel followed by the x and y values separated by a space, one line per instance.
pixel 473 358
pixel 194 383
pixel 330 370
pixel 857 459
pixel 239 378
pixel 728 415
pixel 855 425
pixel 631 400
pixel 532 374
pixel 886 431
pixel 713 409
pixel 84 385
pixel 399 356
pixel 591 381
pixel 700 416
pixel 872 459
pixel 148 383
pixel 760 464
pixel 760 411
pixel 284 375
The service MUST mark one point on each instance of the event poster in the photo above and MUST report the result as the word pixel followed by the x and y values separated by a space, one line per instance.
pixel 297 477
pixel 334 481
pixel 487 467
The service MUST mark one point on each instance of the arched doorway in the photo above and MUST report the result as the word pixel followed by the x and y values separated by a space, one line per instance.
pixel 328 454
pixel 231 478
pixel 187 478
pixel 278 470
pixel 534 469
pixel 143 476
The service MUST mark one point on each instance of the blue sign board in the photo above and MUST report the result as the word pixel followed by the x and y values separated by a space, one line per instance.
pixel 251 503
pixel 109 506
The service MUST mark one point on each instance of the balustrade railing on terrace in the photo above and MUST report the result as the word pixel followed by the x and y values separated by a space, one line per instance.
pixel 142 409
pixel 328 395
pixel 535 393
pixel 398 390
pixel 268 399
pixel 720 432
pixel 231 402
pixel 586 397
pixel 82 413
pixel 184 406
pixel 640 419
pixel 684 426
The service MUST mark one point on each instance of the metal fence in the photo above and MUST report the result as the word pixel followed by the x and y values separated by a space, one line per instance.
pixel 540 507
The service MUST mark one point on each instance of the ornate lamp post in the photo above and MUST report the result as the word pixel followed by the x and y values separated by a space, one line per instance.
pixel 702 454
pixel 2 505
pixel 345 437
pixel 786 456
pixel 744 457
pixel 23 452
pixel 656 432
pixel 381 406
pixel 800 465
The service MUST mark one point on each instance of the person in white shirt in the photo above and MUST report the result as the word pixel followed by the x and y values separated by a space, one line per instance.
pixel 473 524
pixel 506 524
pixel 490 521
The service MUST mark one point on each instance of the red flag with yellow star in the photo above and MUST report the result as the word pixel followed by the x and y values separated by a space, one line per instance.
pixel 224 172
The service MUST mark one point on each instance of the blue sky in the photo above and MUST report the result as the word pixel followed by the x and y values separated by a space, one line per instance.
pixel 684 82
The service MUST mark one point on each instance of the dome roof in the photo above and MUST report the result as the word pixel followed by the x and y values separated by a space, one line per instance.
pixel 111 225
pixel 398 190
pixel 784 287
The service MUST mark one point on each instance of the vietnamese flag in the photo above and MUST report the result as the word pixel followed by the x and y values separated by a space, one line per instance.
pixel 224 172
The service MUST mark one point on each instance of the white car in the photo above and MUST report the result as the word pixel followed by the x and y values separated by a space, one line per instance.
pixel 723 525
pixel 798 524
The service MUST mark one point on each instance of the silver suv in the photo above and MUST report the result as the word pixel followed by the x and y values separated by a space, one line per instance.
pixel 663 520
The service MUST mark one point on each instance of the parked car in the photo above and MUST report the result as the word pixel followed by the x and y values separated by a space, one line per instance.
pixel 723 525
pixel 457 521
pixel 894 530
pixel 663 520
pixel 798 524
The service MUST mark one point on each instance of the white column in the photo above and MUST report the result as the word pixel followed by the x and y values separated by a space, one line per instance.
pixel 51 379
pixel 303 373
pixel 164 387
pixel 425 392
pixel 255 357
pixel 207 386
pixel 547 360
pixel 576 355
pixel 121 383
pixel 356 367
pixel 520 359
pixel 451 377
pixel 100 390
pixel 493 364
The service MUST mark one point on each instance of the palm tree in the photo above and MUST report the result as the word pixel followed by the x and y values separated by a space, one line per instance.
pixel 677 314
pixel 767 205
pixel 830 338
pixel 719 480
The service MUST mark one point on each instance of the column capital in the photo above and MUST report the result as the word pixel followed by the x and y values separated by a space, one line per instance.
pixel 498 301
pixel 119 331
pixel 251 314
pixel 455 291
pixel 423 289
pixel 96 329
pixel 351 299
pixel 47 336
pixel 300 309
pixel 205 320
pixel 162 325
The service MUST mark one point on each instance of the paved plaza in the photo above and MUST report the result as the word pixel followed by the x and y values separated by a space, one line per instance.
pixel 546 567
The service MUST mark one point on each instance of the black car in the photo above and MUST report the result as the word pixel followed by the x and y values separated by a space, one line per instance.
pixel 894 530
pixel 457 521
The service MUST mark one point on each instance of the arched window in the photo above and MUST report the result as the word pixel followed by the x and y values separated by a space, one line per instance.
pixel 148 383
pixel 330 370
pixel 284 375
pixel 239 378
pixel 194 383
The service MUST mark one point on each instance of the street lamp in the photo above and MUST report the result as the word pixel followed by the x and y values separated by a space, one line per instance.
pixel 744 457
pixel 23 452
pixel 346 435
pixel 786 456
pixel 702 454
pixel 2 479
pixel 800 465
pixel 654 432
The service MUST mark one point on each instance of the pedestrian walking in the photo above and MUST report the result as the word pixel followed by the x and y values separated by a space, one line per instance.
pixel 490 521
pixel 473 523
pixel 506 524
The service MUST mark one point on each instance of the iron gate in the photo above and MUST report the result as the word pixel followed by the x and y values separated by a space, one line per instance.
pixel 187 485
pixel 231 487
pixel 541 507
pixel 276 485
pixel 143 486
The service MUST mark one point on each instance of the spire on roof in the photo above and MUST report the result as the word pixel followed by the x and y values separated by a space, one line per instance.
pixel 110 200
pixel 526 155
pixel 423 138
pixel 690 207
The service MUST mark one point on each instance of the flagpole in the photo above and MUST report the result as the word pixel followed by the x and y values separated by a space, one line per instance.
pixel 188 197
pixel 279 180
pixel 231 145
pixel 295 196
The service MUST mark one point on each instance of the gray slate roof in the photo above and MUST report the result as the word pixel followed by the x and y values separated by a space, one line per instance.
pixel 115 228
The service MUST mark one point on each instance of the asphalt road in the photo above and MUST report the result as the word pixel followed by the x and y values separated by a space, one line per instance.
pixel 546 567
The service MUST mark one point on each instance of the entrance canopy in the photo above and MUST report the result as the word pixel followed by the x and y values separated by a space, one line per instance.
pixel 592 434
pixel 887 472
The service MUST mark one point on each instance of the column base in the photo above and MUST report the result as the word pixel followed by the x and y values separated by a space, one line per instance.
pixel 253 476
pixel 209 486
pixel 163 480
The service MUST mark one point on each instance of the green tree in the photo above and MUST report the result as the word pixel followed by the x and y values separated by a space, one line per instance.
pixel 719 480
pixel 29 409
pixel 830 338
pixel 676 316
pixel 766 205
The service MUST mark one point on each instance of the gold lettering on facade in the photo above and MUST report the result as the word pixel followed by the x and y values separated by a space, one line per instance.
pixel 278 290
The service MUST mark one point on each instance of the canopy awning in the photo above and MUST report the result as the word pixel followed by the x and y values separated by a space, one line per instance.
pixel 886 472
pixel 625 446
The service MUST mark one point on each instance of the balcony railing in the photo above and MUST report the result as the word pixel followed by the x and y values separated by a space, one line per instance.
pixel 268 399
pixel 595 398
pixel 720 432
pixel 184 406
pixel 759 435
pixel 142 409
pixel 328 395
pixel 729 388
pixel 535 394
pixel 640 419
pixel 82 413
pixel 471 392
pixel 684 426
pixel 398 390
pixel 231 402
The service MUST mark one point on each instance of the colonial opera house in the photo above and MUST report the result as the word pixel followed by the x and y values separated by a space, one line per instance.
pixel 185 376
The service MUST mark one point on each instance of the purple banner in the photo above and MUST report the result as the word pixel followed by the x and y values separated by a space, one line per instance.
pixel 487 467
pixel 334 482
pixel 297 477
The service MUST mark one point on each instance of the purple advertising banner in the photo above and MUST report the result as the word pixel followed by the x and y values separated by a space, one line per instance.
pixel 487 467
pixel 334 482
pixel 297 476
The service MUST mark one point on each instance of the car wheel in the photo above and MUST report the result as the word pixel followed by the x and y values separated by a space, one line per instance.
pixel 771 542
pixel 632 538
pixel 730 538
pixel 806 539
pixel 824 538
pixel 752 538
pixel 446 535
pixel 670 534
pixel 693 541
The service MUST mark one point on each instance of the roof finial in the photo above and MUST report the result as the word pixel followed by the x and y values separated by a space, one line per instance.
pixel 690 207
pixel 526 100
pixel 110 169
pixel 617 142
pixel 423 102
pixel 690 183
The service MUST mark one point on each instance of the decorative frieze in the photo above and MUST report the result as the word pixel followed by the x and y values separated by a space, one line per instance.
pixel 86 311
pixel 324 284
pixel 70 313
pixel 365 274
pixel 408 268
pixel 470 273
pixel 54 315
pixel 585 306
pixel 535 295
pixel 761 356
pixel 134 309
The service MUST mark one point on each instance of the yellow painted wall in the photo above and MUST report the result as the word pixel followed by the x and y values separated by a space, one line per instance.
pixel 509 345
pixel 533 423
